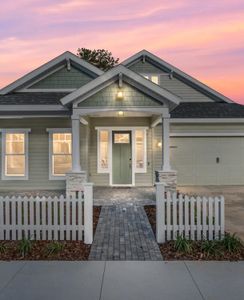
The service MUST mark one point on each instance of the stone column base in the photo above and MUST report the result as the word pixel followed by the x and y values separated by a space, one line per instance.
pixel 74 182
pixel 169 178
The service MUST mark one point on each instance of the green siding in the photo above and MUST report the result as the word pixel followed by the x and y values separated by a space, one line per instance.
pixel 107 97
pixel 38 154
pixel 177 87
pixel 63 79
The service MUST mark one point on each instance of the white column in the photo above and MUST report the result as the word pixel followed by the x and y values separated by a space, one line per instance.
pixel 76 144
pixel 165 144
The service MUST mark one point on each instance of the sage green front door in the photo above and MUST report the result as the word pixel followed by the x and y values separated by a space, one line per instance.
pixel 122 160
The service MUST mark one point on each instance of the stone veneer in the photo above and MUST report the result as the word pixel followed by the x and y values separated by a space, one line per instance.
pixel 74 182
pixel 168 177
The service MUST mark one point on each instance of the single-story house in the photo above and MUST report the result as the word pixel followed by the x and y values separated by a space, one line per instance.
pixel 143 120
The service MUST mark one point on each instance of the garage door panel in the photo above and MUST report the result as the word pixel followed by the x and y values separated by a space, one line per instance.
pixel 195 158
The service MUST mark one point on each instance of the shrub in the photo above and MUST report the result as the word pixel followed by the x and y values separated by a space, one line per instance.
pixel 25 246
pixel 54 248
pixel 211 248
pixel 181 244
pixel 3 248
pixel 231 243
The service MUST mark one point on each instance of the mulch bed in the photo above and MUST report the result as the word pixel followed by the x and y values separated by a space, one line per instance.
pixel 72 250
pixel 169 252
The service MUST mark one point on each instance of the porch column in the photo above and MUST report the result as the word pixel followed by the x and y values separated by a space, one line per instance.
pixel 76 144
pixel 165 144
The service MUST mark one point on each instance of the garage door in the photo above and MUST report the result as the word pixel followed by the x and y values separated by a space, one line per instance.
pixel 208 160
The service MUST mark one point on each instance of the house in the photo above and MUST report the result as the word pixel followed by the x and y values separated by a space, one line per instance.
pixel 144 120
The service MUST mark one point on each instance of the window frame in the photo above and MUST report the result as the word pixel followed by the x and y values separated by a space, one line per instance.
pixel 99 169
pixel 144 169
pixel 52 131
pixel 150 75
pixel 26 132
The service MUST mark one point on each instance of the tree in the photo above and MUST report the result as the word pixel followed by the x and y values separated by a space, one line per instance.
pixel 101 58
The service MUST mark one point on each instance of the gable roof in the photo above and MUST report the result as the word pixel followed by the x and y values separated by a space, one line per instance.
pixel 66 56
pixel 176 73
pixel 134 79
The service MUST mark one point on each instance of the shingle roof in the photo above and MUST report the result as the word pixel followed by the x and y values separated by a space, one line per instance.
pixel 31 98
pixel 208 110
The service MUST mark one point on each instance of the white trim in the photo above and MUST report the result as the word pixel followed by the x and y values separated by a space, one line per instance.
pixel 110 153
pixel 50 151
pixel 45 67
pixel 144 53
pixel 26 132
pixel 41 107
pixel 148 87
pixel 207 120
pixel 210 134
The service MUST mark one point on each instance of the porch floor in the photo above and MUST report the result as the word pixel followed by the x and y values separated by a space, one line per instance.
pixel 124 195
pixel 124 233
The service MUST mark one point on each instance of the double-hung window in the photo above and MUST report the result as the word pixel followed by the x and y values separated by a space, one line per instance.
pixel 60 153
pixel 140 151
pixel 15 154
pixel 103 151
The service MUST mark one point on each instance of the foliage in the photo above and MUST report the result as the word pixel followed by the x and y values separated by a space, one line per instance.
pixel 101 58
pixel 181 244
pixel 231 243
pixel 3 248
pixel 25 246
pixel 211 248
pixel 54 248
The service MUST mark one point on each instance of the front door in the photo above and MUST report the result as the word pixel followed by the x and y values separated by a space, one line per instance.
pixel 122 158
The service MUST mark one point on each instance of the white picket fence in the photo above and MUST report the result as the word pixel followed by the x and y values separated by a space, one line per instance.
pixel 48 218
pixel 195 218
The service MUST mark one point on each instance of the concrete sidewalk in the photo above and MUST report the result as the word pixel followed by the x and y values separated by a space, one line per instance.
pixel 121 280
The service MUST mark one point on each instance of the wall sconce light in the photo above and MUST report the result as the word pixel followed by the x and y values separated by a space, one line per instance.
pixel 120 95
pixel 120 113
pixel 159 144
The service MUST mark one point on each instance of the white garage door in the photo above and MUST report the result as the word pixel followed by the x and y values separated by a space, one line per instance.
pixel 208 160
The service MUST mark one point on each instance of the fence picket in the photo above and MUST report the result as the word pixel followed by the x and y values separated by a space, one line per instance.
pixel 13 221
pixel 1 219
pixel 216 219
pixel 174 206
pixel 210 219
pixel 61 220
pixel 7 219
pixel 204 217
pixel 192 227
pixel 199 227
pixel 168 218
pixel 186 211
pixel 44 218
pixel 222 217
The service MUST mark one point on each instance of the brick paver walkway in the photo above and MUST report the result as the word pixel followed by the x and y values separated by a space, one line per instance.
pixel 124 233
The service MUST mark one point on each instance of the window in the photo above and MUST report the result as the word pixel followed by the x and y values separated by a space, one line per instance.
pixel 103 151
pixel 15 154
pixel 153 78
pixel 140 151
pixel 121 138
pixel 60 156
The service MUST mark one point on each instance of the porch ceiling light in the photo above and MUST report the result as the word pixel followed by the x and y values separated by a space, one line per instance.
pixel 159 144
pixel 120 113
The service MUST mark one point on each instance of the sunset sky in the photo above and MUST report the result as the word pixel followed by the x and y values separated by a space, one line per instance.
pixel 203 38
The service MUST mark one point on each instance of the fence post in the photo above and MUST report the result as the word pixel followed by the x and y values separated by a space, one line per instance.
pixel 160 213
pixel 88 212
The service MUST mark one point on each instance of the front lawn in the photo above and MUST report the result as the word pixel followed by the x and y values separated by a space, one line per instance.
pixel 230 248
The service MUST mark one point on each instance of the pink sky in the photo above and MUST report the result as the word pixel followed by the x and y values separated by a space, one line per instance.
pixel 203 38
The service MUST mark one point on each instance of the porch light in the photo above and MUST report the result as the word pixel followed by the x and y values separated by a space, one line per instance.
pixel 120 113
pixel 120 95
pixel 159 144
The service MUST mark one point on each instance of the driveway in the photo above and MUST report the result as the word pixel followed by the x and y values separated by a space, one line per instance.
pixel 121 280
pixel 234 204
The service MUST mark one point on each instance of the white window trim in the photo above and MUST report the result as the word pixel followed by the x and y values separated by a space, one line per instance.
pixel 134 169
pixel 150 75
pixel 99 169
pixel 144 169
pixel 50 141
pixel 26 132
